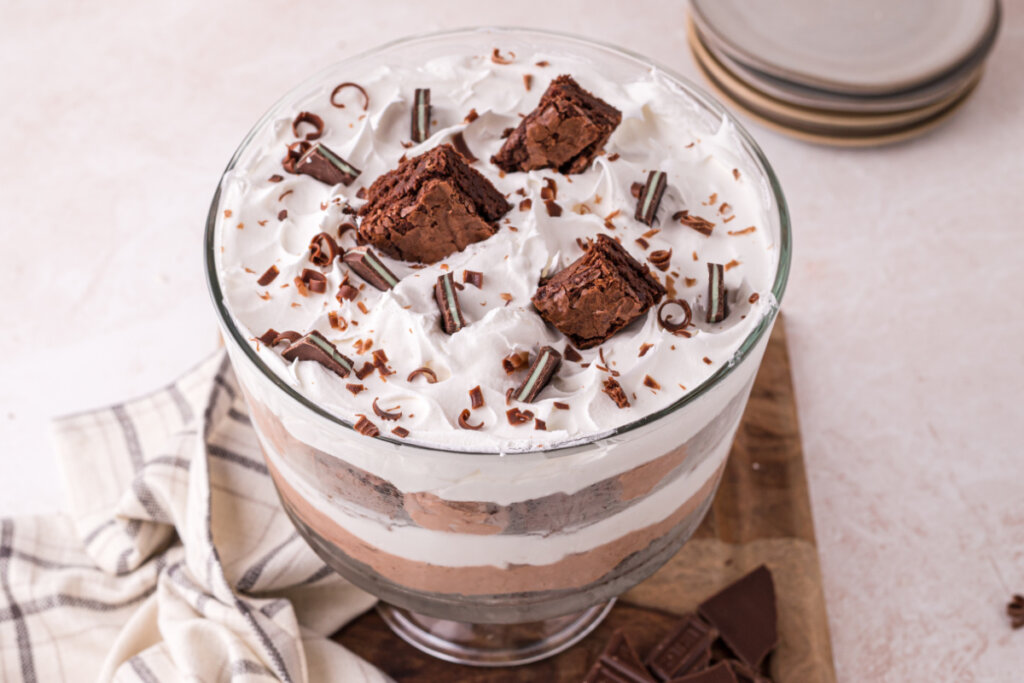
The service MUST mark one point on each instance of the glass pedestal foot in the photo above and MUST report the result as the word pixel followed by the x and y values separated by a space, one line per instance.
pixel 492 644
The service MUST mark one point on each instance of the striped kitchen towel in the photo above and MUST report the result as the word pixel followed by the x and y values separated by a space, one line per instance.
pixel 177 562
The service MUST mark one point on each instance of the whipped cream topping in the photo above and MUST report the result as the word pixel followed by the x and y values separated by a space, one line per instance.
pixel 707 175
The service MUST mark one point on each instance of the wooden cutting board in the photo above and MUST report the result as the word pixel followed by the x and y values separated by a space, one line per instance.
pixel 761 514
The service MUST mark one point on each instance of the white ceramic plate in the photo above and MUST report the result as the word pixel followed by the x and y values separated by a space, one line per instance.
pixel 849 46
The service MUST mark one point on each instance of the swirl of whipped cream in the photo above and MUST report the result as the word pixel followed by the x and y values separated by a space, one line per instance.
pixel 705 176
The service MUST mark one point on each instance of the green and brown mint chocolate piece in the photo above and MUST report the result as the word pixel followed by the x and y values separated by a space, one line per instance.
pixel 447 297
pixel 650 197
pixel 367 265
pixel 430 207
pixel 314 346
pixel 420 125
pixel 318 161
pixel 540 373
pixel 718 302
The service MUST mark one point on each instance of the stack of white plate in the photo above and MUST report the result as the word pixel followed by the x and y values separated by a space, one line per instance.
pixel 844 72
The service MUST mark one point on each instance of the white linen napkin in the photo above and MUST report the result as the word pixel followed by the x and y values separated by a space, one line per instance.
pixel 177 561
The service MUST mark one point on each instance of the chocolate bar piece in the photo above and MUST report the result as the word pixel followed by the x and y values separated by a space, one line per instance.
pixel 718 304
pixel 618 663
pixel 448 303
pixel 321 163
pixel 431 206
pixel 598 294
pixel 314 346
pixel 687 648
pixel 566 131
pixel 368 266
pixel 744 614
pixel 421 115
pixel 541 372
pixel 719 673
pixel 650 197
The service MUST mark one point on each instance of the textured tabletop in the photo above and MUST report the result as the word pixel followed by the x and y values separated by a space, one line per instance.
pixel 905 310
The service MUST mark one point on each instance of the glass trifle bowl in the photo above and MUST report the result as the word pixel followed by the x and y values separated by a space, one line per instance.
pixel 508 543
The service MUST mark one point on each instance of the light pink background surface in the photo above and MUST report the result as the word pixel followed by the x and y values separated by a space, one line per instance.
pixel 905 308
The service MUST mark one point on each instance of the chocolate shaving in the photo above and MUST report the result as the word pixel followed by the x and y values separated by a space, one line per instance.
pixel 464 421
pixel 744 231
pixel 736 173
pixel 314 280
pixel 296 151
pixel 336 321
pixel 571 354
pixel 268 337
pixel 541 372
pixel 560 405
pixel 699 224
pixel 643 243
pixel 615 392
pixel 426 372
pixel 498 59
pixel 754 297
pixel 400 432
pixel 635 189
pixel 666 320
pixel 386 414
pixel 275 178
pixel 347 226
pixel 313 120
pixel 323 250
pixel 380 361
pixel 644 348
pixel 649 199
pixel 447 297
pixel 542 63
pixel 526 204
pixel 517 417
pixel 473 277
pixel 528 81
pixel 540 425
pixel 660 259
pixel 718 302
pixel 550 189
pixel 420 127
pixel 365 371
pixel 355 388
pixel 476 397
pixel 268 276
pixel 338 88
pixel 365 427
pixel 346 292
pixel 471 116
pixel 613 157
pixel 282 214
pixel 288 336
pixel 554 210
pixel 514 361
pixel 1015 610
pixel 651 383
pixel 459 142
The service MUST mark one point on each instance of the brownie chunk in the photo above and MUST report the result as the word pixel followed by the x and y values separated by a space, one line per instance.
pixel 566 131
pixel 598 294
pixel 429 207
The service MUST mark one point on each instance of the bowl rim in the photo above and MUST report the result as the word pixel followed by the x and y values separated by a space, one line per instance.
pixel 703 99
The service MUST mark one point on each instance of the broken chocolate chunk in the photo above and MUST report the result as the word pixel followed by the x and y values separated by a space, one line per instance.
pixel 517 417
pixel 598 294
pixel 447 298
pixel 701 225
pixel 719 673
pixel 431 206
pixel 473 277
pixel 718 304
pixel 686 648
pixel 615 392
pixel 650 197
pixel 566 131
pixel 321 163
pixel 618 663
pixel 1015 610
pixel 314 346
pixel 368 266
pixel 744 614
pixel 421 115
pixel 365 427
pixel 541 372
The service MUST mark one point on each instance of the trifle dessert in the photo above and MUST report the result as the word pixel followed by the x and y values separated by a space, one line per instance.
pixel 496 300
